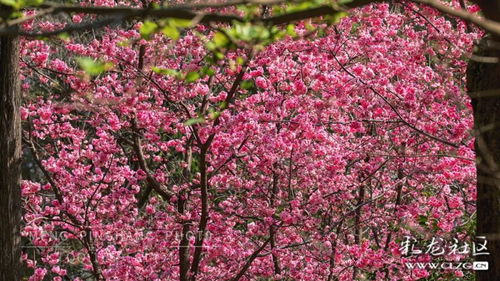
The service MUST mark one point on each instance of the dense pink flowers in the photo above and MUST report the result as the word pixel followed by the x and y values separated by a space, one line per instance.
pixel 337 147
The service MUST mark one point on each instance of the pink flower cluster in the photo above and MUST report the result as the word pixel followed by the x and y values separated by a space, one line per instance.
pixel 317 170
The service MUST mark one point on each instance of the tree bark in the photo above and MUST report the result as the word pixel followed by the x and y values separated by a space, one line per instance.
pixel 10 160
pixel 483 83
pixel 202 227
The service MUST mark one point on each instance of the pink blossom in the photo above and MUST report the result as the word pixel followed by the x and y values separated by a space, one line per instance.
pixel 261 82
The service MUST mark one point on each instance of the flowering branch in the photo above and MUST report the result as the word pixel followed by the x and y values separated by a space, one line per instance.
pixel 188 12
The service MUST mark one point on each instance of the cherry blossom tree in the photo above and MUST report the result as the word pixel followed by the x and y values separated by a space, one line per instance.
pixel 169 150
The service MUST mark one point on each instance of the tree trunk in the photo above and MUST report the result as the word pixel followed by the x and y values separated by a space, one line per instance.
pixel 10 160
pixel 483 83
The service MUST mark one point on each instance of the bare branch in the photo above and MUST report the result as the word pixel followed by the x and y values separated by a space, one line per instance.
pixel 490 26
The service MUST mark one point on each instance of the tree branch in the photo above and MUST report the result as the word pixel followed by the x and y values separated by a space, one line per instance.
pixel 488 25
pixel 250 260
pixel 188 12
pixel 164 193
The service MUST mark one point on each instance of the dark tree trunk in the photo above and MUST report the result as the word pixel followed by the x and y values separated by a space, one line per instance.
pixel 483 83
pixel 10 161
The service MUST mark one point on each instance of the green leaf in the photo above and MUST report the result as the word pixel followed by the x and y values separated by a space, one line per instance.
pixel 300 7
pixel 192 76
pixel 310 27
pixel 16 4
pixel 167 71
pixel 223 105
pixel 243 31
pixel 249 10
pixel 214 115
pixel 220 40
pixel 422 220
pixel 124 43
pixel 247 84
pixel 252 33
pixel 171 31
pixel 207 71
pixel 335 18
pixel 194 121
pixel 290 30
pixel 219 55
pixel 92 67
pixel 180 23
pixel 277 10
pixel 33 2
pixel 354 28
pixel 42 38
pixel 147 29
pixel 64 36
